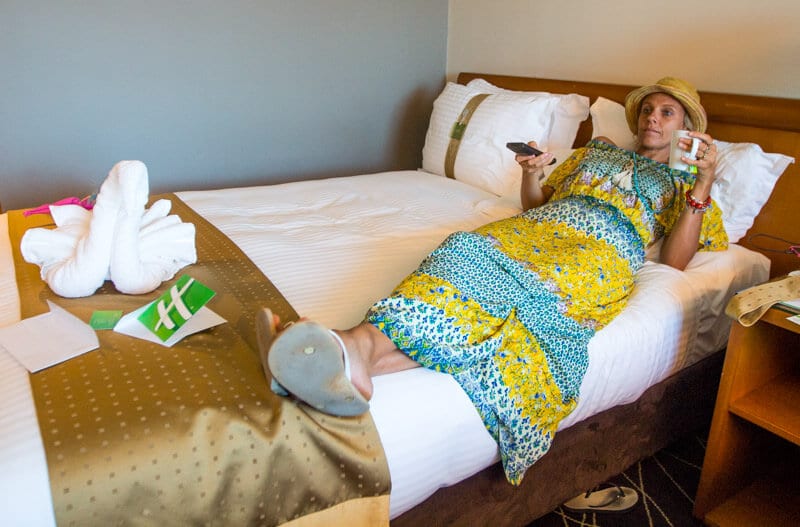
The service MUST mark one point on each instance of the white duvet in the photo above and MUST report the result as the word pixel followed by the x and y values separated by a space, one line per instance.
pixel 333 247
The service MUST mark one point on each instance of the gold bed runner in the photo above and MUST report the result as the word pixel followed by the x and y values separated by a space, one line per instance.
pixel 136 433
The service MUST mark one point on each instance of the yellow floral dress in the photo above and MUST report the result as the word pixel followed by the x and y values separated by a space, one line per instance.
pixel 508 310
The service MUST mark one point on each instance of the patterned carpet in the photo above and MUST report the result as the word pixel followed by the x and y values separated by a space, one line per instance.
pixel 666 482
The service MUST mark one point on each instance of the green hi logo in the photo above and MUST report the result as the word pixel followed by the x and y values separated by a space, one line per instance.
pixel 171 310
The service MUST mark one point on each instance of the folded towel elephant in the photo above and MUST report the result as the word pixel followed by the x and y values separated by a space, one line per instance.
pixel 136 248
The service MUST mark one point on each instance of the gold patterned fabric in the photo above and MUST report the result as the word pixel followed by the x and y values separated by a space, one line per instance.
pixel 136 433
pixel 749 306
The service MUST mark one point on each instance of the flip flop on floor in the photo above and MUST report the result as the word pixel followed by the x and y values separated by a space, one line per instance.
pixel 309 361
pixel 611 499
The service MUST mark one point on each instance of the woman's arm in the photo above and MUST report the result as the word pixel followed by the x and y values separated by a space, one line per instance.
pixel 532 193
pixel 681 245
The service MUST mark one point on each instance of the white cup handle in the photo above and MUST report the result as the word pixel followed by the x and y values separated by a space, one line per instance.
pixel 695 147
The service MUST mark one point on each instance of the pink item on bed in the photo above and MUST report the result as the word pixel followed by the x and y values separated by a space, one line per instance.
pixel 87 203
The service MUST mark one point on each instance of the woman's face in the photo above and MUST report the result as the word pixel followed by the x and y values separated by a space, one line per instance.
pixel 659 116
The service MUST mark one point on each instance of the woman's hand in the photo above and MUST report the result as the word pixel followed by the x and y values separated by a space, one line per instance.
pixel 534 164
pixel 531 192
pixel 706 164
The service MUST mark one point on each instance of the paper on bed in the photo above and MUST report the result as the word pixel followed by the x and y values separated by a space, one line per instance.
pixel 48 339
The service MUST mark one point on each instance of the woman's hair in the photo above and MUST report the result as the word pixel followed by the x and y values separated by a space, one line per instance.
pixel 687 121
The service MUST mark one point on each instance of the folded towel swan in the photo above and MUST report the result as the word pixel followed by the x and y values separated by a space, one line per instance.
pixel 136 248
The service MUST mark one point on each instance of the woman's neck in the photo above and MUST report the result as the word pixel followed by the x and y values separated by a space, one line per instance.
pixel 660 155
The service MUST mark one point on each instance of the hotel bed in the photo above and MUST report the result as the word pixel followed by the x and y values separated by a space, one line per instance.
pixel 332 247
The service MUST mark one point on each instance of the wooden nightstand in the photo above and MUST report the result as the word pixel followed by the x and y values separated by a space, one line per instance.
pixel 751 471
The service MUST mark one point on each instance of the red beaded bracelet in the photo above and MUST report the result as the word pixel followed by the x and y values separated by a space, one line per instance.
pixel 695 204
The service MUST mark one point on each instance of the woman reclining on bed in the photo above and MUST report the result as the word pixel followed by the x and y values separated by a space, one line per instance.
pixel 508 310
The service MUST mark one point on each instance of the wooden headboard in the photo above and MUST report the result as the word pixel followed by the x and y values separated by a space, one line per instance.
pixel 772 122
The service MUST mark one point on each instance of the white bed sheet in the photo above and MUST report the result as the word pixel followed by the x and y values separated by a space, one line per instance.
pixel 333 247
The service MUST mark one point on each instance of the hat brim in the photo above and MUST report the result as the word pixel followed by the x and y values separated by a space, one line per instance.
pixel 692 106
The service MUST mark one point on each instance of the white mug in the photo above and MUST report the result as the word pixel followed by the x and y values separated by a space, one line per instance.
pixel 675 150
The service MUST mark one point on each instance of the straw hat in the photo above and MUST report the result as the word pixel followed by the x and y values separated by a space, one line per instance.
pixel 681 90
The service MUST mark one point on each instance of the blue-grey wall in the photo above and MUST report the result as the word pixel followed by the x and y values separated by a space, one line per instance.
pixel 212 93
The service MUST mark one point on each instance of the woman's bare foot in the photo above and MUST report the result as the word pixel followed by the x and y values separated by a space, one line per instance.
pixel 330 370
pixel 371 353
pixel 359 367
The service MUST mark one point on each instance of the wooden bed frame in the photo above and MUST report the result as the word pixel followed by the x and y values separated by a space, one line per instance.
pixel 592 451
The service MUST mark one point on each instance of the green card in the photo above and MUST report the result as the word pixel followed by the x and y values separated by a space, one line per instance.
pixel 105 319
pixel 171 310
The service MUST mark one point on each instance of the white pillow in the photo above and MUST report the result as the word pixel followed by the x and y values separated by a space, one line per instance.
pixel 482 159
pixel 608 119
pixel 571 111
pixel 746 174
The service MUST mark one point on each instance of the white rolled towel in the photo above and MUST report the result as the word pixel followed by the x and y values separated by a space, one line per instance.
pixel 150 247
pixel 77 264
pixel 120 240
